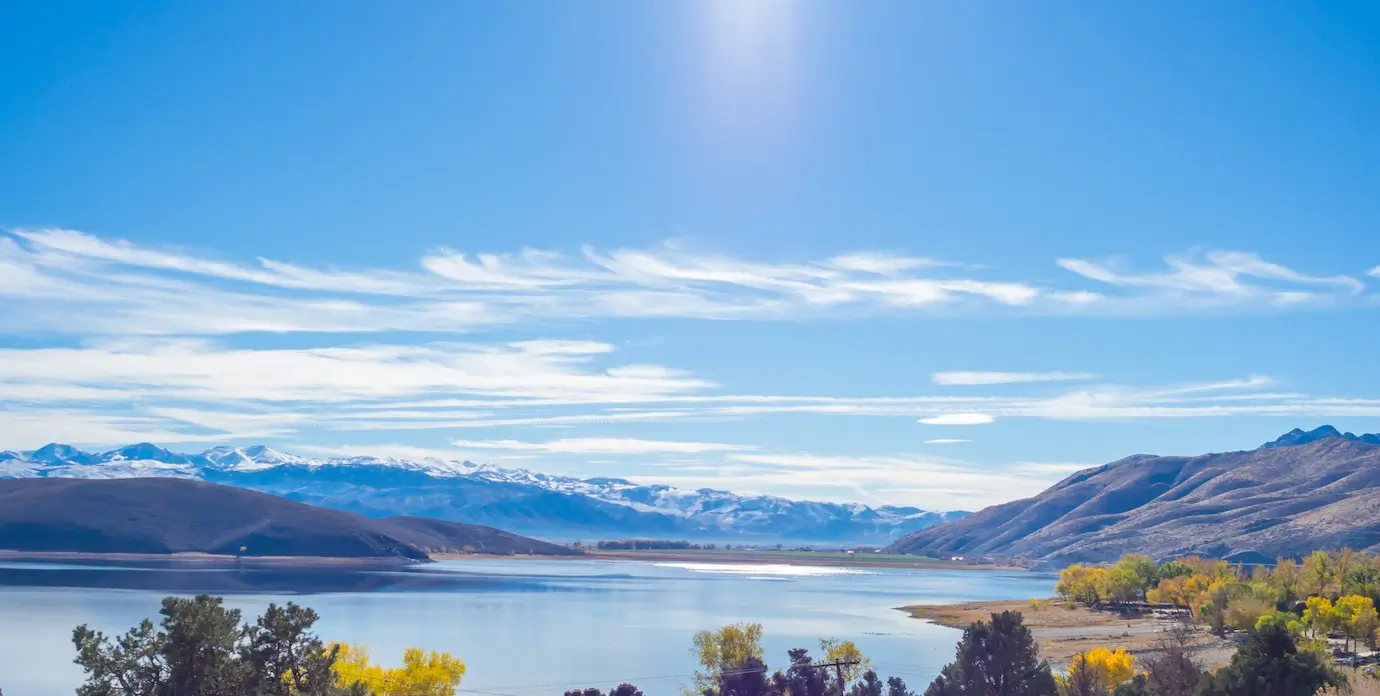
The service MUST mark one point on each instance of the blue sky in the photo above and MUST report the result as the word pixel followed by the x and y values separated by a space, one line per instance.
pixel 938 254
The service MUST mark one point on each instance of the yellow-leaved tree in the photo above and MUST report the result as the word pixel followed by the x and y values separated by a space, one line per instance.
pixel 1317 573
pixel 1319 615
pixel 1086 585
pixel 1356 617
pixel 725 650
pixel 836 650
pixel 1096 671
pixel 422 673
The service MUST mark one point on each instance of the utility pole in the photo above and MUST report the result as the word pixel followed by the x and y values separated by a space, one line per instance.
pixel 838 666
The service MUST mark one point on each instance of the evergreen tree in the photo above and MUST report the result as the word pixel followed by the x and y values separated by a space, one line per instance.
pixel 749 678
pixel 1270 664
pixel 200 647
pixel 283 657
pixel 996 658
pixel 131 665
pixel 1139 685
pixel 896 686
pixel 803 678
pixel 867 685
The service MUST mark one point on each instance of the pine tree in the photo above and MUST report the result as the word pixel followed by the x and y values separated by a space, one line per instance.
pixel 996 658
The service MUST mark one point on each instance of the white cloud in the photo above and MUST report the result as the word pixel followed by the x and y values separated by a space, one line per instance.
pixel 1051 468
pixel 203 370
pixel 958 419
pixel 389 450
pixel 115 287
pixel 72 283
pixel 882 264
pixel 149 346
pixel 1208 280
pixel 934 484
pixel 603 445
pixel 987 378
pixel 945 441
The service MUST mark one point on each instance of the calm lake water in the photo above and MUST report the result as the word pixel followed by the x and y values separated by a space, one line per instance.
pixel 523 627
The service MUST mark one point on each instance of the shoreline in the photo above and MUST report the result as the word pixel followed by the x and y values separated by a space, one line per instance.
pixel 796 558
pixel 1063 633
pixel 210 559
pixel 790 558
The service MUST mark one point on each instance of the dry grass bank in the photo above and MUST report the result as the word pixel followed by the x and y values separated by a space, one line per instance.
pixel 1063 633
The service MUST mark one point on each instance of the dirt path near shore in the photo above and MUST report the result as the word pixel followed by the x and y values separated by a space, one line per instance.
pixel 1063 633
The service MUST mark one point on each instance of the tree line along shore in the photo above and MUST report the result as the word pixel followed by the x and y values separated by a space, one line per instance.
pixel 201 648
pixel 1292 629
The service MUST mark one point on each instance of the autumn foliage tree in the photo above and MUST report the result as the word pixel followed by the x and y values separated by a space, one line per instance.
pixel 844 651
pixel 1096 672
pixel 725 650
pixel 1085 585
pixel 422 673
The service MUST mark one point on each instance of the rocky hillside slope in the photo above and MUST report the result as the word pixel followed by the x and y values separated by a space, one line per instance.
pixel 1306 490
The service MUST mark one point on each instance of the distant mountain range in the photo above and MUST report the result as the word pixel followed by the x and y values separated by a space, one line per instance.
pixel 523 501
pixel 1303 437
pixel 1302 491
pixel 167 516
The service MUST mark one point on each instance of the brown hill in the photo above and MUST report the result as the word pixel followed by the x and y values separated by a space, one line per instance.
pixel 1252 506
pixel 164 516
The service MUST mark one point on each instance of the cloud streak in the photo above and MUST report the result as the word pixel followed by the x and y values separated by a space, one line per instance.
pixel 989 378
pixel 602 445
pixel 1213 279
pixel 120 342
pixel 958 419
pixel 932 483
pixel 70 282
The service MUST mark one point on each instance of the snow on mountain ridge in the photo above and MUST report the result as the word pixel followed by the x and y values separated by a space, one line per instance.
pixel 702 508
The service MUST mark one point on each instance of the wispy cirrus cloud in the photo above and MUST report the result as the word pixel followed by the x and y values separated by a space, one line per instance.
pixel 989 378
pixel 603 445
pixel 73 283
pixel 118 287
pixel 935 483
pixel 122 342
pixel 564 371
pixel 195 390
pixel 958 419
pixel 1209 280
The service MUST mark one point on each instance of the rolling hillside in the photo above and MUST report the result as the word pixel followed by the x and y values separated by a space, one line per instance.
pixel 168 515
pixel 1306 490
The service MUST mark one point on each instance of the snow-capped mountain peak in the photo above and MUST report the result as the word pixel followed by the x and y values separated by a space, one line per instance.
pixel 55 453
pixel 143 451
pixel 438 487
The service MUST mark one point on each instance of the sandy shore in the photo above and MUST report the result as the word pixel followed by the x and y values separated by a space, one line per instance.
pixel 1063 633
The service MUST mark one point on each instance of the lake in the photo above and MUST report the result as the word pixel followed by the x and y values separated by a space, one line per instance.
pixel 523 627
